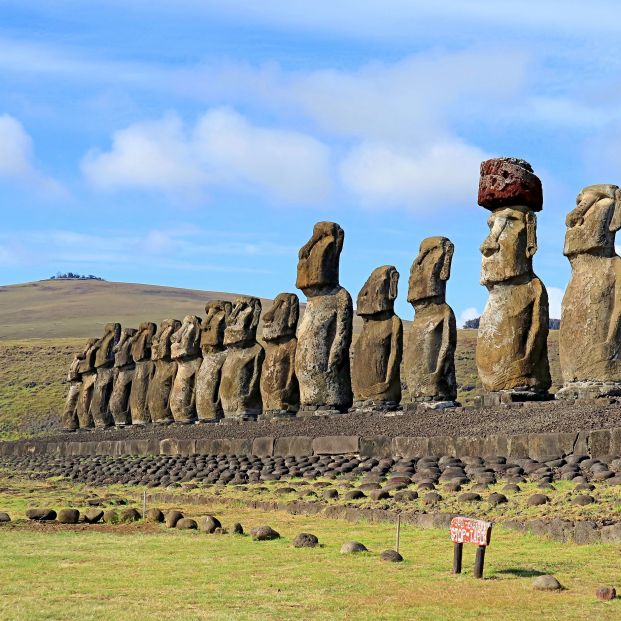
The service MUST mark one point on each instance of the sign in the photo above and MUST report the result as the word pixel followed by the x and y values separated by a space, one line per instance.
pixel 469 530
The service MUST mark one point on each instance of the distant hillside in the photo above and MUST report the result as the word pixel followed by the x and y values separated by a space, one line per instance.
pixel 79 308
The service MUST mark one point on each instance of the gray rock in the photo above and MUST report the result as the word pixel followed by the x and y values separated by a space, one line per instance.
pixel 470 497
pixel 583 500
pixel 4 517
pixel 41 515
pixel 208 524
pixel 172 517
pixel 186 524
pixel 496 499
pixel 537 499
pixel 391 556
pixel 92 516
pixel 606 593
pixel 237 529
pixel 354 494
pixel 111 517
pixel 154 515
pixel 305 540
pixel 546 583
pixel 130 515
pixel 264 533
pixel 353 547
pixel 68 516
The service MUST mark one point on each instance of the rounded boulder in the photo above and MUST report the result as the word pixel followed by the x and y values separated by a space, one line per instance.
pixel 353 547
pixel 305 540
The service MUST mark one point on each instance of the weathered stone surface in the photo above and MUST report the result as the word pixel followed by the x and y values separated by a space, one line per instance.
pixel 280 391
pixel 104 363
pixel 241 372
pixel 336 445
pixel 263 447
pixel 41 515
pixel 537 499
pixel 92 516
pixel 130 515
pixel 508 181
pixel 185 350
pixel 376 446
pixel 68 516
pixel 82 362
pixel 545 445
pixel 606 593
pixel 173 446
pixel 378 350
pixel 143 372
pixel 160 386
pixel 123 377
pixel 186 524
pixel 353 547
pixel 209 377
pixel 225 446
pixel 410 446
pixel 208 524
pixel 590 336
pixel 172 517
pixel 86 368
pixel 111 516
pixel 586 532
pixel 237 529
pixel 305 540
pixel 293 446
pixel 391 556
pixel 264 533
pixel 154 515
pixel 512 350
pixel 70 413
pixel 5 518
pixel 322 363
pixel 546 583
pixel 429 359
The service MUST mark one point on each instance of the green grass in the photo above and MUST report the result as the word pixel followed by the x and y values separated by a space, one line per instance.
pixel 142 571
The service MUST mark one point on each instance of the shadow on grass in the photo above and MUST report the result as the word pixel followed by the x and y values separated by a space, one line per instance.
pixel 522 573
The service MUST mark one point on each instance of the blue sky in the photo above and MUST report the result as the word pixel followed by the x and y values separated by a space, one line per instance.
pixel 194 144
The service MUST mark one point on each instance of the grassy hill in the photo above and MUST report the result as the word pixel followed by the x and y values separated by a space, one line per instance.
pixel 43 323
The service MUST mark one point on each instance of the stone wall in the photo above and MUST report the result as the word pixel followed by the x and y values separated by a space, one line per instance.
pixel 598 443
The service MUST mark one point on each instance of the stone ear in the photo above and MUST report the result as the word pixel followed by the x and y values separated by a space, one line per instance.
pixel 531 234
pixel 393 285
pixel 294 313
pixel 615 221
pixel 449 249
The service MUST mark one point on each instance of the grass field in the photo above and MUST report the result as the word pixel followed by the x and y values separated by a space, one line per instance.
pixel 142 571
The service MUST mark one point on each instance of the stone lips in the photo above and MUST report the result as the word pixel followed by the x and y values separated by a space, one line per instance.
pixel 505 182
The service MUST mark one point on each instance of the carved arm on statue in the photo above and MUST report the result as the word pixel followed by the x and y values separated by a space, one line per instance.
pixel 253 386
pixel 342 338
pixel 447 348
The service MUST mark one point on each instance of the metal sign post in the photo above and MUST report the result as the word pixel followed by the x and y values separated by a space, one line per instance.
pixel 469 530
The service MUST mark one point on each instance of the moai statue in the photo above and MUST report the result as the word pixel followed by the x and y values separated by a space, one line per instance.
pixel 322 356
pixel 104 363
pixel 590 335
pixel 512 352
pixel 186 351
pixel 429 361
pixel 376 375
pixel 208 404
pixel 144 370
pixel 158 393
pixel 70 414
pixel 279 386
pixel 241 372
pixel 124 369
pixel 88 373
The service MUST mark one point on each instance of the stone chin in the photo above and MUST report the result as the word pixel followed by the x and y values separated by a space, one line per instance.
pixel 497 273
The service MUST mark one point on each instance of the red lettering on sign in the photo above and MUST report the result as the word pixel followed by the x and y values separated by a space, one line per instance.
pixel 468 530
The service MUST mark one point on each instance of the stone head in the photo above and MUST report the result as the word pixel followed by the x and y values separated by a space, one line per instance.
pixel 430 270
pixel 318 259
pixel 141 343
pixel 122 350
pixel 507 182
pixel 281 320
pixel 84 361
pixel 509 248
pixel 592 225
pixel 242 323
pixel 105 351
pixel 161 343
pixel 379 292
pixel 185 342
pixel 214 324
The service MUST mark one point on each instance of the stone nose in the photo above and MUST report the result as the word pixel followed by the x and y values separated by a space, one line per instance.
pixel 489 247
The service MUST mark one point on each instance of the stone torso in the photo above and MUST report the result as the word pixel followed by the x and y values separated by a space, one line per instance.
pixel 511 341
pixel 589 339
pixel 239 387
pixel 371 360
pixel 208 406
pixel 325 328
pixel 429 359
pixel 279 386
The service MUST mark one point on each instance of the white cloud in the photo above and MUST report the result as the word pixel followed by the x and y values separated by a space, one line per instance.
pixel 421 180
pixel 16 158
pixel 466 314
pixel 222 149
pixel 555 298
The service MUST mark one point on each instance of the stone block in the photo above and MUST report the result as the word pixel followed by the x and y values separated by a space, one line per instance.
pixel 599 442
pixel 615 441
pixel 336 445
pixel 442 445
pixel 293 446
pixel 586 532
pixel 410 446
pixel 611 533
pixel 376 446
pixel 225 446
pixel 263 447
pixel 544 445
pixel 517 446
pixel 172 446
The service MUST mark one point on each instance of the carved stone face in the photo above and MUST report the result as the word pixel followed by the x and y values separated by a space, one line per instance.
pixel 431 269
pixel 141 344
pixel 281 319
pixel 185 341
pixel 379 291
pixel 87 357
pixel 241 325
pixel 214 324
pixel 592 225
pixel 318 264
pixel 160 345
pixel 508 249
pixel 105 352
pixel 122 349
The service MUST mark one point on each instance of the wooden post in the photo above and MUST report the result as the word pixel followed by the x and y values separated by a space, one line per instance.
pixel 458 549
pixel 144 504
pixel 398 529
pixel 479 561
